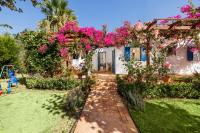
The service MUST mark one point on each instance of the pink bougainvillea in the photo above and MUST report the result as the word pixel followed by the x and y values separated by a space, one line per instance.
pixel 167 65
pixel 61 38
pixel 42 49
pixel 186 9
pixel 70 26
pixel 88 47
pixel 109 40
pixel 139 26
pixel 51 40
pixel 194 50
pixel 88 31
pixel 63 52
pixel 98 36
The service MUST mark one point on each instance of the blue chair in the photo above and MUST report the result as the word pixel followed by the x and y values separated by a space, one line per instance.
pixel 13 79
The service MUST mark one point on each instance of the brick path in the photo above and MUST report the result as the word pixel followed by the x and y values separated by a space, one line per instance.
pixel 104 111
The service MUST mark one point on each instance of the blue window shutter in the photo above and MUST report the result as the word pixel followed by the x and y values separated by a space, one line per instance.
pixel 189 54
pixel 143 54
pixel 127 53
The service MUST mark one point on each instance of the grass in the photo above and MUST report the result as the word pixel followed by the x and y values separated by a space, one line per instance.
pixel 34 111
pixel 169 116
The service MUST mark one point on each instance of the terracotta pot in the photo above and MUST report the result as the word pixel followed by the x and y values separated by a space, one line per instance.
pixel 166 79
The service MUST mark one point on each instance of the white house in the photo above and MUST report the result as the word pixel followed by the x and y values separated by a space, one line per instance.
pixel 183 61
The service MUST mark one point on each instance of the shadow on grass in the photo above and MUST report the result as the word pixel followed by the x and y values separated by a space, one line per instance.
pixel 57 106
pixel 166 118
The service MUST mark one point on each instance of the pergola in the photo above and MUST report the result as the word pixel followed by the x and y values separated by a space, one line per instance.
pixel 173 27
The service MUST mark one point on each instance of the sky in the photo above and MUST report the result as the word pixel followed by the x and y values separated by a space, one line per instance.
pixel 96 13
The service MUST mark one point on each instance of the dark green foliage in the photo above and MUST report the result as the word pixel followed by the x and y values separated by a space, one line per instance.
pixel 52 83
pixel 168 90
pixel 173 90
pixel 9 50
pixel 46 64
pixel 132 93
pixel 76 97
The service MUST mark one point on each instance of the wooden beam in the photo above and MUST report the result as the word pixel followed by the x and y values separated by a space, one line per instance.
pixel 180 19
pixel 151 24
pixel 174 24
pixel 195 24
pixel 166 27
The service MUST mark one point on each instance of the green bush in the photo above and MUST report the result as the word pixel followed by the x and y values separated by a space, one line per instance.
pixel 169 90
pixel 76 97
pixel 51 83
pixel 9 50
pixel 48 63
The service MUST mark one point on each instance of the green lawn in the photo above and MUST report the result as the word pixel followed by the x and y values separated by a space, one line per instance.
pixel 34 111
pixel 169 116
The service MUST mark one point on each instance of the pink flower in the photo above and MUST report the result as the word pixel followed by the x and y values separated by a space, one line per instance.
pixel 164 21
pixel 197 14
pixel 194 50
pixel 88 31
pixel 84 40
pixel 167 65
pixel 63 52
pixel 98 36
pixel 110 39
pixel 139 26
pixel 70 26
pixel 51 40
pixel 61 38
pixel 88 47
pixel 177 16
pixel 42 49
pixel 186 9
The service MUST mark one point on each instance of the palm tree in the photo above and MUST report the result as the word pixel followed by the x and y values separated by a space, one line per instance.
pixel 57 13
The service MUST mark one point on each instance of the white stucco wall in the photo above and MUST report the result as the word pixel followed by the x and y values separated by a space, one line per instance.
pixel 108 57
pixel 119 64
pixel 180 64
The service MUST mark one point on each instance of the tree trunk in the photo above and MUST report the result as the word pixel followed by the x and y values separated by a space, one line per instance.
pixel 148 51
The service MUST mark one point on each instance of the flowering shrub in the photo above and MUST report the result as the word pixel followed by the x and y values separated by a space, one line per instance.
pixel 42 49
pixel 41 56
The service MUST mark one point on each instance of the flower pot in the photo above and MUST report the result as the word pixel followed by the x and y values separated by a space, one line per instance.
pixel 166 79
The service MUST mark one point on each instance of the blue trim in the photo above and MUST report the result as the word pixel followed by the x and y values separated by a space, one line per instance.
pixel 127 53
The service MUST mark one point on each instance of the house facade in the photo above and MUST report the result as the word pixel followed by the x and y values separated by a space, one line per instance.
pixel 183 61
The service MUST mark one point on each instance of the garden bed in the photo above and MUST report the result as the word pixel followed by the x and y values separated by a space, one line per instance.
pixel 168 116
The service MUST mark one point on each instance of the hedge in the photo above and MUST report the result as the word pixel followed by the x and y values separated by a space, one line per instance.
pixel 168 90
pixel 52 83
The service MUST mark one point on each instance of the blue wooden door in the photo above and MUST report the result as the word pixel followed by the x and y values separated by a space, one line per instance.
pixel 127 53
pixel 113 61
pixel 189 54
pixel 143 54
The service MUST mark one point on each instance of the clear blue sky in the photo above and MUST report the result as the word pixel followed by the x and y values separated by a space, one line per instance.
pixel 96 12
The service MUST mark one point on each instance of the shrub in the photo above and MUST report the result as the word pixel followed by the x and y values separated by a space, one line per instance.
pixel 131 93
pixel 52 83
pixel 9 50
pixel 47 63
pixel 169 90
pixel 76 97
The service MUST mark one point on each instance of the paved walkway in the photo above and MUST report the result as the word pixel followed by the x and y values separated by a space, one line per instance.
pixel 104 111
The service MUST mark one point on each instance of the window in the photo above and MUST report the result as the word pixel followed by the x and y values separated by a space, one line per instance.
pixel 193 54
pixel 139 54
pixel 127 53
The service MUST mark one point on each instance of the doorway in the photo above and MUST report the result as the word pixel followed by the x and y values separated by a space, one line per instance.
pixel 101 61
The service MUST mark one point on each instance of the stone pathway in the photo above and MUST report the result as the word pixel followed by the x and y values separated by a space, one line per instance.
pixel 104 111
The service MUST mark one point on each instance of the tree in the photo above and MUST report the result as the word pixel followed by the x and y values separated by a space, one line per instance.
pixel 57 13
pixel 9 50
pixel 11 4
